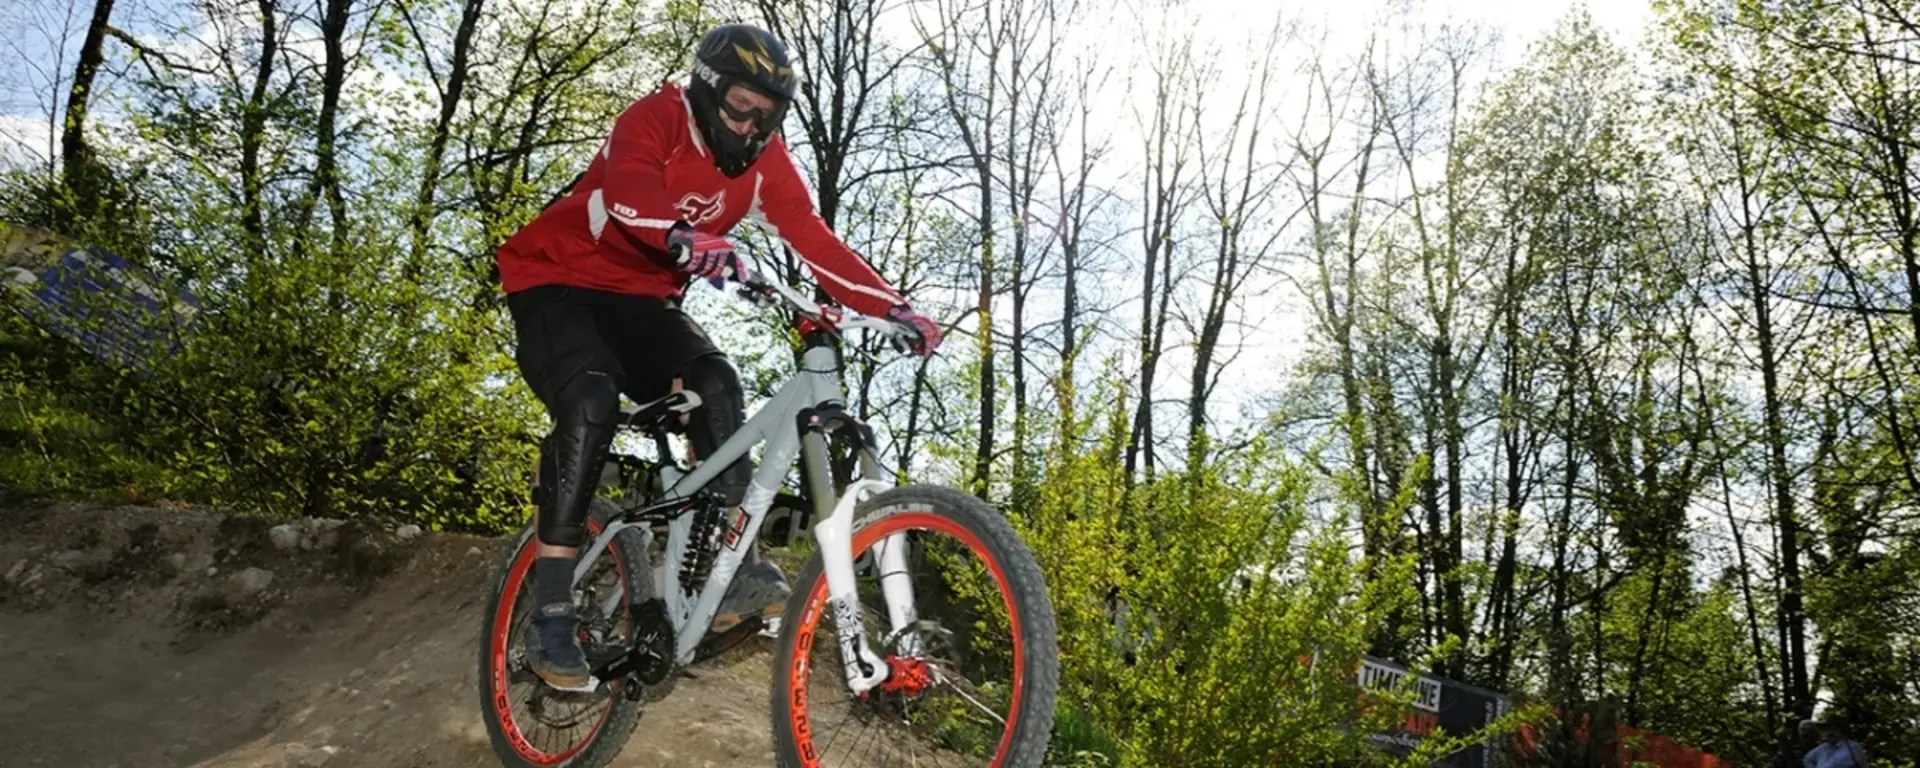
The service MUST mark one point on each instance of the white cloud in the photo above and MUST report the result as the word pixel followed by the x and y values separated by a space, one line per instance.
pixel 23 140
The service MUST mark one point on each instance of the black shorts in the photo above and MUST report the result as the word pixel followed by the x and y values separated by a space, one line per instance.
pixel 642 341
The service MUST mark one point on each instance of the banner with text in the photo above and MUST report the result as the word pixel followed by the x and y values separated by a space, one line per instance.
pixel 112 308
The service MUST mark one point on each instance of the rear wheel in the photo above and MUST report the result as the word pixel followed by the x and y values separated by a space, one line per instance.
pixel 973 680
pixel 530 723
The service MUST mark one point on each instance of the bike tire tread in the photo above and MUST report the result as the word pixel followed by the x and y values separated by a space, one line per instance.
pixel 1040 633
pixel 612 737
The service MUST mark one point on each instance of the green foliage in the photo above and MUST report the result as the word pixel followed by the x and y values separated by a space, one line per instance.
pixel 1209 617
pixel 294 392
pixel 51 438
pixel 1693 667
pixel 351 358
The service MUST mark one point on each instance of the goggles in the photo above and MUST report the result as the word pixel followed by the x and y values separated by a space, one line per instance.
pixel 762 118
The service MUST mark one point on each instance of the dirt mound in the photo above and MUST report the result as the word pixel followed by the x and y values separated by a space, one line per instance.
pixel 142 636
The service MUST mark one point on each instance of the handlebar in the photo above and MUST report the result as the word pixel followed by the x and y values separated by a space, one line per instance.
pixel 833 318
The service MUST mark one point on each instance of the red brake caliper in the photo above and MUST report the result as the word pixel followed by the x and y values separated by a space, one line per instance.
pixel 906 676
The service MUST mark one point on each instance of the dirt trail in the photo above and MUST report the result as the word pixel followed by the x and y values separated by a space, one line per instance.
pixel 139 636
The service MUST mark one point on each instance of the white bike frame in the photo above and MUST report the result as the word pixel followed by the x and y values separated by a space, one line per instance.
pixel 777 424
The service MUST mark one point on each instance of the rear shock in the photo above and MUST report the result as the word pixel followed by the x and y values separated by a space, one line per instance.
pixel 704 542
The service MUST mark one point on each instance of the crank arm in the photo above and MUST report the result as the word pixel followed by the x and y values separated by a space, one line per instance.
pixel 649 658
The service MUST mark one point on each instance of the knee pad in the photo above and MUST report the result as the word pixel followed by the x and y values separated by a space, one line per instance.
pixel 721 413
pixel 714 378
pixel 591 398
pixel 584 414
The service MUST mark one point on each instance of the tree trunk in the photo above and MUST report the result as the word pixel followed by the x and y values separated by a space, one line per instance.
pixel 1141 435
pixel 326 179
pixel 989 389
pixel 1514 449
pixel 82 175
pixel 1166 146
pixel 1746 570
pixel 1759 291
pixel 1336 300
pixel 253 129
pixel 437 145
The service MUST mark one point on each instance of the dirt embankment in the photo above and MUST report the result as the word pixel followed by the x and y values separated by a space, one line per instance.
pixel 142 636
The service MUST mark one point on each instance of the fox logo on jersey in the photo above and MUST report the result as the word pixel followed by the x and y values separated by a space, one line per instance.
pixel 654 172
pixel 699 209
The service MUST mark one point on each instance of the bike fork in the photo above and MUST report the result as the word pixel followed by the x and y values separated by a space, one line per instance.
pixel 864 668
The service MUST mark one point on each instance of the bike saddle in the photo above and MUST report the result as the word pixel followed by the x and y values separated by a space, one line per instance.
pixel 660 416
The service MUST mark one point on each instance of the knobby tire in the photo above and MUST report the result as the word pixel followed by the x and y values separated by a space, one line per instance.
pixel 617 724
pixel 1018 575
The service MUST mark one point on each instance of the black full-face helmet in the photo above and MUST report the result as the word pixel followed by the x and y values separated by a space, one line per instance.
pixel 744 55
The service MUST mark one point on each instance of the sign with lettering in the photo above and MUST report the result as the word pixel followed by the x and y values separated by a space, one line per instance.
pixel 1438 704
pixel 115 310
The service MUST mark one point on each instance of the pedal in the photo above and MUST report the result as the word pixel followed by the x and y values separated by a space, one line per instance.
pixel 591 686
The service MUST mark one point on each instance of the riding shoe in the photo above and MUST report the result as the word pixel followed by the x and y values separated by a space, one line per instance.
pixel 553 647
pixel 758 591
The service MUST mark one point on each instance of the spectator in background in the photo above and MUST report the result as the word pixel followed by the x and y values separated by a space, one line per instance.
pixel 1835 749
pixel 1793 750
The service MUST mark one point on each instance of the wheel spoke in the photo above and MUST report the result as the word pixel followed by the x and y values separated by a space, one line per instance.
pixel 941 677
pixel 1003 718
pixel 530 723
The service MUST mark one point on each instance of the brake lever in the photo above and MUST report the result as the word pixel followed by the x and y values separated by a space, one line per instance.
pixel 761 297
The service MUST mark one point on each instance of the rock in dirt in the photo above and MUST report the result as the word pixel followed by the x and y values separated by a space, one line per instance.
pixel 408 532
pixel 319 533
pixel 285 538
pixel 252 581
pixel 318 756
pixel 74 560
pixel 19 568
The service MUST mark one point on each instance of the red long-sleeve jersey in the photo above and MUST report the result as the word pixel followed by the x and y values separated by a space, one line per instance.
pixel 610 231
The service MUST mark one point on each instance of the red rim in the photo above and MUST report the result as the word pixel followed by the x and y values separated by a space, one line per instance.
pixel 800 721
pixel 502 630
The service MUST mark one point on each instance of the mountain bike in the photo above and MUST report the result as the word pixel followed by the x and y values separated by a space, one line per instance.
pixel 664 550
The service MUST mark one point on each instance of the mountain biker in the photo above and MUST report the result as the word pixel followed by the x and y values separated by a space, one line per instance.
pixel 594 287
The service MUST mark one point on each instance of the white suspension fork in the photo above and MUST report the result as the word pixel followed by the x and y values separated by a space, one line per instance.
pixel 864 668
pixel 896 585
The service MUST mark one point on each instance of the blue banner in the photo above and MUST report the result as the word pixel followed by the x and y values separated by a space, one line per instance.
pixel 115 310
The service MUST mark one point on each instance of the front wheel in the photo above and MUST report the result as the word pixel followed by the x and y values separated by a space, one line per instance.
pixel 973 680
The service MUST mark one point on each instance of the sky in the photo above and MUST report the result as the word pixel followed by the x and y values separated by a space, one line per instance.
pixel 47 32
pixel 1225 28
pixel 1228 31
pixel 1230 34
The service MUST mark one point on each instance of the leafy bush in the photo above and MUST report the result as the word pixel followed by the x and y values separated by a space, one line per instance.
pixel 307 385
pixel 1204 615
